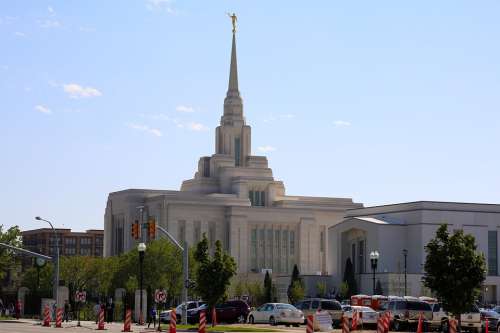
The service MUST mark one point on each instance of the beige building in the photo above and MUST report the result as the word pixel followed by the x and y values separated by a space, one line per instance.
pixel 233 197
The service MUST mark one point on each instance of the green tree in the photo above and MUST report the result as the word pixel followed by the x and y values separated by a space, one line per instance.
pixel 8 260
pixel 214 273
pixel 321 289
pixel 79 272
pixel 268 288
pixel 344 290
pixel 39 282
pixel 378 288
pixel 454 270
pixel 350 279
pixel 296 289
pixel 255 293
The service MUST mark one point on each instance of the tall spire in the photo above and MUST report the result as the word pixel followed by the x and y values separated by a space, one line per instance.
pixel 233 104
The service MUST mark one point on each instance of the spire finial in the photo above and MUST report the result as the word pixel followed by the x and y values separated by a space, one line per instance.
pixel 234 19
pixel 232 90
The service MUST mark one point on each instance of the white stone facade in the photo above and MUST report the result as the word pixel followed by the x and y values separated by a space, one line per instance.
pixel 234 198
pixel 390 229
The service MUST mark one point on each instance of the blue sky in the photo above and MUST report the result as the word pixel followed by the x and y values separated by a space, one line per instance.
pixel 381 101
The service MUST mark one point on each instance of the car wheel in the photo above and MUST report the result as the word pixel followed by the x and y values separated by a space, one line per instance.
pixel 397 325
pixel 241 319
pixel 298 325
pixel 251 320
pixel 272 321
pixel 445 327
pixel 498 329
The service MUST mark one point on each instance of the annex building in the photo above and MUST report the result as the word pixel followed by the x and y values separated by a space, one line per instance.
pixel 233 197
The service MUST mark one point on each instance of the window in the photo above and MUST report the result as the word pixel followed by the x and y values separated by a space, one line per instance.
pixel 206 167
pixel 86 241
pixel 85 251
pixel 284 251
pixel 261 248
pixel 257 198
pixel 69 241
pixel 353 256
pixel 277 248
pixel 98 241
pixel 253 249
pixel 211 236
pixel 492 252
pixel 315 305
pixel 237 152
pixel 306 305
pixel 197 231
pixel 292 243
pixel 70 251
pixel 269 249
pixel 361 261
pixel 182 232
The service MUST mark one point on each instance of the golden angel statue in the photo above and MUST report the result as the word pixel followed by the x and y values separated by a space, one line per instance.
pixel 234 19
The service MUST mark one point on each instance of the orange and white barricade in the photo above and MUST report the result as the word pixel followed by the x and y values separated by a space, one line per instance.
pixel 486 328
pixel 173 322
pixel 100 324
pixel 310 322
pixel 203 322
pixel 387 321
pixel 345 324
pixel 46 316
pixel 58 318
pixel 452 325
pixel 420 323
pixel 128 321
pixel 354 324
pixel 380 325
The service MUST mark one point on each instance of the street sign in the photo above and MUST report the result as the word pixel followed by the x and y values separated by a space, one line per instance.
pixel 81 296
pixel 160 296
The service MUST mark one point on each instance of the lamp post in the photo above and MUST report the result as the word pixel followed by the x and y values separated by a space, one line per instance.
pixel 374 255
pixel 141 248
pixel 405 254
pixel 56 268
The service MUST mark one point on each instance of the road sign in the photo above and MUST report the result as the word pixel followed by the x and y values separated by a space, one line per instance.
pixel 81 296
pixel 160 296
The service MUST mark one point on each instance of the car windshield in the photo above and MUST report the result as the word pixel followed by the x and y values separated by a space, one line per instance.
pixel 364 309
pixel 491 314
pixel 329 305
pixel 285 307
pixel 418 306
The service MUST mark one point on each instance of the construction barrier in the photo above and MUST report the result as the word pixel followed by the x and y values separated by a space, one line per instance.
pixel 128 321
pixel 59 318
pixel 452 326
pixel 173 322
pixel 203 322
pixel 486 324
pixel 46 316
pixel 100 324
pixel 420 324
pixel 345 324
pixel 380 325
pixel 355 316
pixel 387 321
pixel 309 326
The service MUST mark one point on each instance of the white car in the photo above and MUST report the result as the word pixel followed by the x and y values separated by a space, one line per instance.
pixel 276 313
pixel 367 316
pixel 192 305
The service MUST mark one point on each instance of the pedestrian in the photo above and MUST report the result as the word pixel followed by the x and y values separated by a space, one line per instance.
pixel 152 316
pixel 110 309
pixel 66 310
pixel 103 309
pixel 18 309
pixel 97 308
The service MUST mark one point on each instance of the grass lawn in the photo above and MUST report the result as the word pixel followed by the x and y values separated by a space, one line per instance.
pixel 222 328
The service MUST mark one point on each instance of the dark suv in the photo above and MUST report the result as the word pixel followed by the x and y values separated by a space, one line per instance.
pixel 227 312
pixel 405 313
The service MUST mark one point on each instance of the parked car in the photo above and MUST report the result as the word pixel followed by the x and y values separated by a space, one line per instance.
pixel 471 321
pixel 191 305
pixel 276 313
pixel 493 320
pixel 311 306
pixel 232 311
pixel 345 308
pixel 405 313
pixel 439 317
pixel 367 316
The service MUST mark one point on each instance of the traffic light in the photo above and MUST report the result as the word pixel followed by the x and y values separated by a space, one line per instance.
pixel 135 229
pixel 151 228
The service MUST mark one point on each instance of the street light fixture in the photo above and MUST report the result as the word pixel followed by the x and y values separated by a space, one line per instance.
pixel 405 254
pixel 374 255
pixel 56 268
pixel 141 248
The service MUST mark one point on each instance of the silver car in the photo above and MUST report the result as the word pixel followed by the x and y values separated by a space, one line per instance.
pixel 275 314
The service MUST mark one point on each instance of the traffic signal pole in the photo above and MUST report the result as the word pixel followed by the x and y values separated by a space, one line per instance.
pixel 185 270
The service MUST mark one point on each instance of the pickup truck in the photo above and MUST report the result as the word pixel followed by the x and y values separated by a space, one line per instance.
pixel 471 321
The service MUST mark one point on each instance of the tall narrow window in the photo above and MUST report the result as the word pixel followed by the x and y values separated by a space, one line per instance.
pixel 262 198
pixel 211 236
pixel 361 260
pixel 206 167
pixel 253 250
pixel 353 256
pixel 269 249
pixel 251 197
pixel 492 253
pixel 237 152
pixel 197 231
pixel 262 236
pixel 284 251
pixel 292 243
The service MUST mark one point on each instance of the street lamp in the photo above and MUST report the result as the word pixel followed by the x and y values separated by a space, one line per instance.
pixel 56 268
pixel 405 254
pixel 374 255
pixel 141 248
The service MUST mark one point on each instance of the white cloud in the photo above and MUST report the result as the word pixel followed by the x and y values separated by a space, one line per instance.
pixel 196 127
pixel 49 24
pixel 266 149
pixel 20 34
pixel 165 5
pixel 184 108
pixel 341 123
pixel 77 91
pixel 145 128
pixel 43 109
pixel 51 10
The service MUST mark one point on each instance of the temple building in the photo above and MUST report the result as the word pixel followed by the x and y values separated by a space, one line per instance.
pixel 233 197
